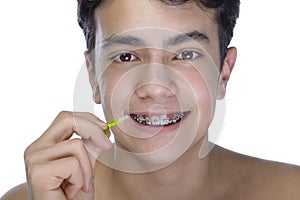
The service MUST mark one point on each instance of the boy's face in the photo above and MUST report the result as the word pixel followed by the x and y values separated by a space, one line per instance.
pixel 160 65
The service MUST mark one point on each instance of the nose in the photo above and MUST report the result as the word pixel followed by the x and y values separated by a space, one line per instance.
pixel 157 81
pixel 154 91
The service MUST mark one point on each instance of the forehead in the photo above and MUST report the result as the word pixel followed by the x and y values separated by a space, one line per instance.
pixel 115 16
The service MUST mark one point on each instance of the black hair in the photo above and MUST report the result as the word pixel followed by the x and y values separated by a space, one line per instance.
pixel 226 14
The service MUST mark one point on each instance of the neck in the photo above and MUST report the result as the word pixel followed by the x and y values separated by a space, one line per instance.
pixel 186 178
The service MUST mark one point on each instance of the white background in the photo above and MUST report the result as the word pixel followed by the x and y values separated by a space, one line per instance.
pixel 41 52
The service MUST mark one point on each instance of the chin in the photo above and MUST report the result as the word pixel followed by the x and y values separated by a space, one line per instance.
pixel 152 157
pixel 155 153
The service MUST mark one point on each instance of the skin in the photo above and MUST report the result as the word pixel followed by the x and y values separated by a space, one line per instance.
pixel 222 174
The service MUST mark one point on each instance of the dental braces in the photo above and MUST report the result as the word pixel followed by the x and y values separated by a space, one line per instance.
pixel 155 121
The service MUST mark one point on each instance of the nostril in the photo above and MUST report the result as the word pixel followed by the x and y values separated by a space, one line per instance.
pixel 154 91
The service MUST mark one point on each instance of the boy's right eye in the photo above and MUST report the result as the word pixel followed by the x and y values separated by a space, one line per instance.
pixel 125 57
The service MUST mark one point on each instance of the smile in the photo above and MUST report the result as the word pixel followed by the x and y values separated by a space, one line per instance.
pixel 155 120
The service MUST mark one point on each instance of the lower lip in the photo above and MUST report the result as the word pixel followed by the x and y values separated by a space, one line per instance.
pixel 160 129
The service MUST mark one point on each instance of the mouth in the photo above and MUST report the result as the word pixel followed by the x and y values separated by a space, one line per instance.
pixel 158 120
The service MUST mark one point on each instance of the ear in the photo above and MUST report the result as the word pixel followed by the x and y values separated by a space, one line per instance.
pixel 227 68
pixel 92 78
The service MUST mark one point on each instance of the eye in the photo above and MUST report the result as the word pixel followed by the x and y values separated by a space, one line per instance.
pixel 125 57
pixel 187 55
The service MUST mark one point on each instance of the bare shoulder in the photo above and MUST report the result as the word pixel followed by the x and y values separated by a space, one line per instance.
pixel 281 178
pixel 17 193
pixel 263 179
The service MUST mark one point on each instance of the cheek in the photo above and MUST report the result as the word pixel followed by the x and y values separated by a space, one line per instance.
pixel 106 85
pixel 205 104
pixel 203 94
pixel 113 90
pixel 205 107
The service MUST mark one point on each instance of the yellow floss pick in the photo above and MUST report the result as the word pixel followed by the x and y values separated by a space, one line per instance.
pixel 115 123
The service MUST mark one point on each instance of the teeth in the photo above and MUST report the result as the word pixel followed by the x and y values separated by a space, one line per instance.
pixel 148 121
pixel 155 120
pixel 162 117
pixel 140 119
pixel 162 120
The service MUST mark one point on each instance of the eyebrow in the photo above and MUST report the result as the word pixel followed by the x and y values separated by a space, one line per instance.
pixel 187 37
pixel 138 42
pixel 122 40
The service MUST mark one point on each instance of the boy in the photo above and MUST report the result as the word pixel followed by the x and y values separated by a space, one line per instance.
pixel 163 64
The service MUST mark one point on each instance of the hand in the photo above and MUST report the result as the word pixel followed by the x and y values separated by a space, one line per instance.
pixel 58 167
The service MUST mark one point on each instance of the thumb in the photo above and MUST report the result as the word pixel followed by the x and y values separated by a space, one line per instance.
pixel 94 151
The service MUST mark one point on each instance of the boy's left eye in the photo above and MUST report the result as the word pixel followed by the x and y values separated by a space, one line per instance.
pixel 187 55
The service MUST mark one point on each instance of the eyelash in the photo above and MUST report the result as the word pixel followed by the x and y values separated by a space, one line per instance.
pixel 118 58
pixel 180 56
pixel 133 57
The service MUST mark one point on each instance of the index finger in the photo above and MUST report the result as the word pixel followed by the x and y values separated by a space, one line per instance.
pixel 67 123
